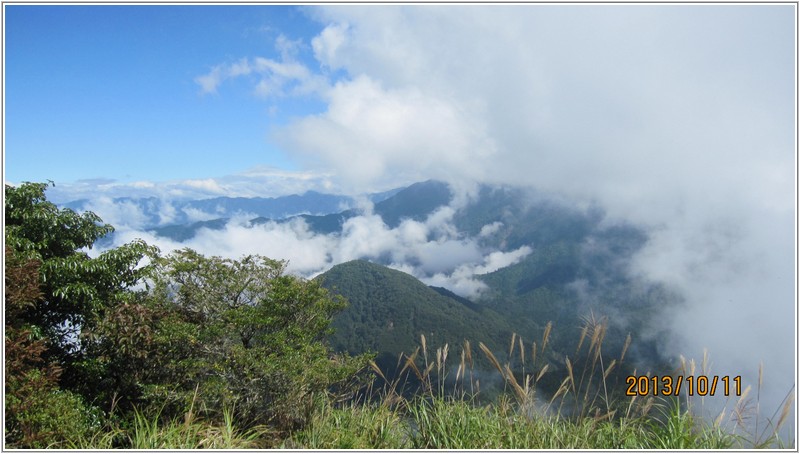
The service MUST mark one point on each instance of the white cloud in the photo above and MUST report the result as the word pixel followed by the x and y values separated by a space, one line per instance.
pixel 445 255
pixel 498 259
pixel 208 185
pixel 364 236
pixel 288 48
pixel 391 135
pixel 431 250
pixel 490 229
pixel 196 215
pixel 143 184
pixel 275 78
pixel 167 213
pixel 460 282
pixel 118 212
pixel 328 43
pixel 209 82
pixel 480 95
pixel 306 253
pixel 463 280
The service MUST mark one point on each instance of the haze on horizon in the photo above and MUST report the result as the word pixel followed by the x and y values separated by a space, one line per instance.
pixel 678 118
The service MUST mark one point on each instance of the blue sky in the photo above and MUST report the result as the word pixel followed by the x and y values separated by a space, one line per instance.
pixel 363 98
pixel 110 92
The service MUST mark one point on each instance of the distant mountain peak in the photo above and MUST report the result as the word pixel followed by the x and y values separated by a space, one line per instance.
pixel 414 202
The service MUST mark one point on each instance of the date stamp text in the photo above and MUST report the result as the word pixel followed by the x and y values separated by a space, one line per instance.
pixel 692 385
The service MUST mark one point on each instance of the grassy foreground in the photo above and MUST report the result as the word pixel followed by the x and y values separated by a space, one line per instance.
pixel 446 412
pixel 456 424
pixel 581 414
pixel 439 423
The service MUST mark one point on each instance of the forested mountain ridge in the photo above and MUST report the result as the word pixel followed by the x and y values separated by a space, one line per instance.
pixel 388 311
pixel 578 269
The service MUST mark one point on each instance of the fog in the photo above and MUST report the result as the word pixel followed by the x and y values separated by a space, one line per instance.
pixel 433 250
pixel 677 118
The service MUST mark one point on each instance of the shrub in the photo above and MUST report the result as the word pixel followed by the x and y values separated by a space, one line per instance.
pixel 39 415
pixel 240 333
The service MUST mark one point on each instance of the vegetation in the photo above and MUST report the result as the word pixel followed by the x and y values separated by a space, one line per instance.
pixel 578 266
pixel 388 309
pixel 132 349
pixel 580 415
pixel 128 337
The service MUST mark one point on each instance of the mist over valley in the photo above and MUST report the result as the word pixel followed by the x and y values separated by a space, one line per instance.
pixel 484 264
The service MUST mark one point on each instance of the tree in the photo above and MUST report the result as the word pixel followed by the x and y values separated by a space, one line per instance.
pixel 235 334
pixel 74 289
pixel 38 413
pixel 129 329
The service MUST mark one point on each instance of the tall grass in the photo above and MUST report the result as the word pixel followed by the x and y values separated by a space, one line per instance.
pixel 586 411
pixel 744 421
pixel 152 432
pixel 355 425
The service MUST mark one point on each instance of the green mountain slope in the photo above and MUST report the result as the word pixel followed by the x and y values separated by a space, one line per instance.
pixel 389 310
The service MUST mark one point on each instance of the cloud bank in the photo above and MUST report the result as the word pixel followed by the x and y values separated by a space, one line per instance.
pixel 432 250
pixel 678 118
pixel 260 181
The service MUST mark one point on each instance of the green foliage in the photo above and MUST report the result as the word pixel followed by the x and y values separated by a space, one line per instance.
pixel 152 431
pixel 42 416
pixel 446 423
pixel 457 424
pixel 678 429
pixel 240 332
pixel 75 288
pixel 390 309
pixel 54 291
pixel 34 225
pixel 38 414
pixel 239 337
pixel 432 419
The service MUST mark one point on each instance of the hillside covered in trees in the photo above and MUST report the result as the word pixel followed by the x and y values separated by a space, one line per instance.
pixel 388 311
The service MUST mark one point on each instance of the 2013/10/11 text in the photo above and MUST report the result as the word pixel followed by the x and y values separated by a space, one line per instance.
pixel 700 385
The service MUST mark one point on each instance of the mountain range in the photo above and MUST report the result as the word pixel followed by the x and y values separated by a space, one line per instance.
pixel 577 267
pixel 181 222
